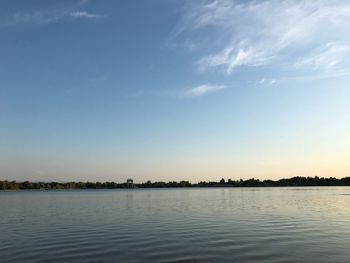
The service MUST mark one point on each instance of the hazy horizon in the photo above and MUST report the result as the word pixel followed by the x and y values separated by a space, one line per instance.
pixel 174 90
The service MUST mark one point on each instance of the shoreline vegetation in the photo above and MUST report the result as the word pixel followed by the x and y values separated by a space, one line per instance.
pixel 290 182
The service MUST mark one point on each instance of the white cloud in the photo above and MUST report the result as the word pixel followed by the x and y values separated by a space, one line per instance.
pixel 262 81
pixel 234 33
pixel 30 18
pixel 267 81
pixel 42 17
pixel 84 14
pixel 234 56
pixel 329 57
pixel 203 89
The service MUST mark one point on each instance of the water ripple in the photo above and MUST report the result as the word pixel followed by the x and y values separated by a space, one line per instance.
pixel 176 225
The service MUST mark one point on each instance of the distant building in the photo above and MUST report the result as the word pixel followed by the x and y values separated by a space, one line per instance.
pixel 130 183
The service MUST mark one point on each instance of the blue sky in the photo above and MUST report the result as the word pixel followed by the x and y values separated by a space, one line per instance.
pixel 174 90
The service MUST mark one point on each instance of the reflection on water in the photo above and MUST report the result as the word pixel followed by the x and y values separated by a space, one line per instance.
pixel 165 225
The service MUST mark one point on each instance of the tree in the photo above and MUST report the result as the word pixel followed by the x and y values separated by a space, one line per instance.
pixel 3 185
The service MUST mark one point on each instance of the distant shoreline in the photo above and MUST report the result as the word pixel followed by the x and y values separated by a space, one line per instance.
pixel 290 182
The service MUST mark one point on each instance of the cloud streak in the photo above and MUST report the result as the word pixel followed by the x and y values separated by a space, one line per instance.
pixel 85 14
pixel 31 18
pixel 233 34
pixel 203 90
pixel 327 58
pixel 42 17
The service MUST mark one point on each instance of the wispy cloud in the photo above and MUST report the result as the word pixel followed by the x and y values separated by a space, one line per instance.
pixel 203 90
pixel 193 92
pixel 137 93
pixel 231 34
pixel 48 16
pixel 31 18
pixel 85 14
pixel 267 81
pixel 327 58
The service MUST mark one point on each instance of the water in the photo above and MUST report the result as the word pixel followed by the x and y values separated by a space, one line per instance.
pixel 176 225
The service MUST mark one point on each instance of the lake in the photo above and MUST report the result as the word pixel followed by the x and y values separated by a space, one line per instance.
pixel 176 225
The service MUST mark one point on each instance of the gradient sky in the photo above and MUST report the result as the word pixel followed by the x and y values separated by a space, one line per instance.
pixel 174 90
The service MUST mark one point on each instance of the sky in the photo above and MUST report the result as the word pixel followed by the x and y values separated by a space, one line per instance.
pixel 167 90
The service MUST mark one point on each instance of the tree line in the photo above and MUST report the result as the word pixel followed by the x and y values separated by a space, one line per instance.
pixel 294 181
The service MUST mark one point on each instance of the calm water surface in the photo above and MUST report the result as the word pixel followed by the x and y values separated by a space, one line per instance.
pixel 172 225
